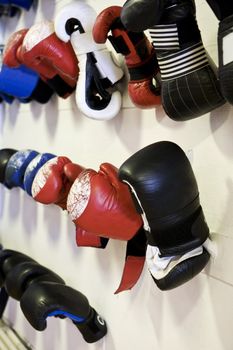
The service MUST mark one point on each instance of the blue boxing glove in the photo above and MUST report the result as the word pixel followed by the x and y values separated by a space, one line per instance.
pixel 25 4
pixel 22 83
pixel 33 168
pixel 16 167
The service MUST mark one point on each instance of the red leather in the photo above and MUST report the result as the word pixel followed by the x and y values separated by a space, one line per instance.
pixel 108 210
pixel 50 55
pixel 140 58
pixel 53 181
pixel 132 271
pixel 87 239
pixel 10 56
pixel 72 171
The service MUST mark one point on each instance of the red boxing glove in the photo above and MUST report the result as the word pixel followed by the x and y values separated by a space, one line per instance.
pixel 10 57
pixel 53 181
pixel 100 203
pixel 41 50
pixel 139 55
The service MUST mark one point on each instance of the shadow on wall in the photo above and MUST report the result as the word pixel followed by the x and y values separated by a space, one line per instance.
pixel 14 206
pixel 13 112
pixel 29 214
pixel 51 116
pixel 47 9
pixel 52 222
pixel 2 200
pixel 127 120
pixel 221 123
pixel 222 312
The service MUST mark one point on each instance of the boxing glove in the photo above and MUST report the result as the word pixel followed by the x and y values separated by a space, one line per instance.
pixel 140 57
pixel 224 12
pixel 41 50
pixel 24 84
pixel 163 184
pixel 189 84
pixel 46 299
pixel 53 181
pixel 8 260
pixel 140 14
pixel 5 155
pixel 19 80
pixel 26 273
pixel 16 166
pixel 99 203
pixel 24 4
pixel 32 169
pixel 97 95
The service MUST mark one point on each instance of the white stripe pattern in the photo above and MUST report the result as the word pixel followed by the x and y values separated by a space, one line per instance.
pixel 165 37
pixel 183 62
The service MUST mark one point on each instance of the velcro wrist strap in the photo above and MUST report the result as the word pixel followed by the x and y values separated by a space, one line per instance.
pixel 148 68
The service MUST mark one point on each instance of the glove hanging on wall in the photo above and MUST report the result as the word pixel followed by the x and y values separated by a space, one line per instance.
pixel 140 56
pixel 164 187
pixel 21 82
pixel 41 50
pixel 223 10
pixel 97 96
pixel 5 155
pixel 53 181
pixel 100 204
pixel 42 294
pixel 189 84
pixel 16 167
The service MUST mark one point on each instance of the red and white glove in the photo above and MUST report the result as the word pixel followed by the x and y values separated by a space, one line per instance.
pixel 10 56
pixel 99 202
pixel 97 95
pixel 41 50
pixel 53 181
pixel 140 56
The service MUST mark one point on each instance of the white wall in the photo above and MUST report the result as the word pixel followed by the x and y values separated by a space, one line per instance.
pixel 197 315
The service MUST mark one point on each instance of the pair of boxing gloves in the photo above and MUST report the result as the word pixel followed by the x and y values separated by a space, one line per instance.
pixel 182 60
pixel 96 94
pixel 68 64
pixel 42 294
pixel 153 194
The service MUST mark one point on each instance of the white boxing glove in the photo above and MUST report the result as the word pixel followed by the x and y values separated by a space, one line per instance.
pixel 96 94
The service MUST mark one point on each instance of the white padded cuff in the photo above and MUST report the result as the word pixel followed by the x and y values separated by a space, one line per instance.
pixel 160 267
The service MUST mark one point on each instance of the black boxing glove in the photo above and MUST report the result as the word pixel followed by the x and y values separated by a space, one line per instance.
pixel 147 12
pixel 223 9
pixel 5 155
pixel 164 187
pixel 47 299
pixel 8 260
pixel 189 83
pixel 24 274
